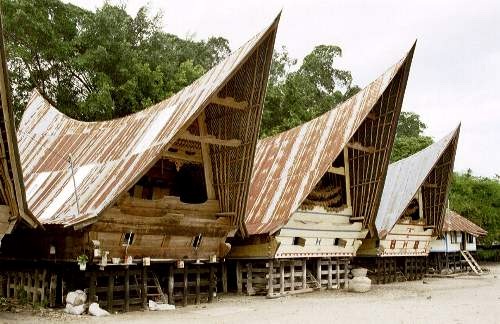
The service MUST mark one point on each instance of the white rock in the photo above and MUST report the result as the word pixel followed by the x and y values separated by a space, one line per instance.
pixel 154 306
pixel 360 284
pixel 76 298
pixel 95 310
pixel 359 272
pixel 75 310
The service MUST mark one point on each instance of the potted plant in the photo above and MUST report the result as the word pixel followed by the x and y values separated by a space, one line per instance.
pixel 82 261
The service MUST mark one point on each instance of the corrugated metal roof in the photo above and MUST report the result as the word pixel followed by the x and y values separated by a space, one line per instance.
pixel 403 180
pixel 288 165
pixel 454 222
pixel 12 188
pixel 108 156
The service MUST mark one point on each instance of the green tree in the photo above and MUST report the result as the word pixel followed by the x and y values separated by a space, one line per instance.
pixel 409 136
pixel 98 65
pixel 298 94
pixel 478 199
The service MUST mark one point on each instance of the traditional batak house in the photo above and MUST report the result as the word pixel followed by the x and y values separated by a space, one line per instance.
pixel 162 187
pixel 452 251
pixel 314 190
pixel 13 206
pixel 411 212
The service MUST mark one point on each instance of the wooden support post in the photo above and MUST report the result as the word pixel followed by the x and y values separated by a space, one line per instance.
pixel 127 289
pixel 330 284
pixel 52 289
pixel 337 274
pixel 347 177
pixel 270 280
pixel 170 288
pixel 224 277
pixel 346 274
pixel 37 284
pixel 111 288
pixel 282 277
pixel 211 284
pixel 292 275
pixel 198 280
pixel 239 278
pixel 144 287
pixel 7 293
pixel 318 272
pixel 205 152
pixel 185 290
pixel 304 274
pixel 44 285
pixel 250 290
pixel 92 288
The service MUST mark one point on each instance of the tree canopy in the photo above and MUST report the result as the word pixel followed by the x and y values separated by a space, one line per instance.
pixel 478 199
pixel 297 94
pixel 409 136
pixel 98 65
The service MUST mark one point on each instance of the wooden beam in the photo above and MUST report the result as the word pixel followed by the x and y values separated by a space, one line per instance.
pixel 207 163
pixel 420 204
pixel 339 170
pixel 429 185
pixel 182 156
pixel 360 147
pixel 230 102
pixel 372 116
pixel 347 177
pixel 210 139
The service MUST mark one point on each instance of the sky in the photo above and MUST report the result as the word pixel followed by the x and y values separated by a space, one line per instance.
pixel 455 74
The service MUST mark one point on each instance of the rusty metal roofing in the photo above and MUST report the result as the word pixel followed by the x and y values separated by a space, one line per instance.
pixel 288 165
pixel 403 180
pixel 454 222
pixel 109 156
pixel 12 192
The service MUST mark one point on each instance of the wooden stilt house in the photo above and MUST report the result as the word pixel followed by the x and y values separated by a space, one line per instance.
pixel 411 212
pixel 452 250
pixel 314 190
pixel 13 206
pixel 164 185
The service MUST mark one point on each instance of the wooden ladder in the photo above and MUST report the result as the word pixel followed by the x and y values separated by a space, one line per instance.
pixel 313 281
pixel 157 292
pixel 472 262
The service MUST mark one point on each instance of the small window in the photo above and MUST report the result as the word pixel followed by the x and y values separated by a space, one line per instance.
pixel 453 237
pixel 340 242
pixel 393 244
pixel 127 239
pixel 470 239
pixel 299 241
pixel 415 246
pixel 318 241
pixel 196 241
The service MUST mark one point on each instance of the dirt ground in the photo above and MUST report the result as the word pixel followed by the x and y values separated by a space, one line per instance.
pixel 464 299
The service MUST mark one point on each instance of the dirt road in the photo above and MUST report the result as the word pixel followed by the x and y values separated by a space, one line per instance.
pixel 466 299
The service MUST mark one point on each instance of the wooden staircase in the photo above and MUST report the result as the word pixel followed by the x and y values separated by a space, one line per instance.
pixel 154 291
pixel 472 262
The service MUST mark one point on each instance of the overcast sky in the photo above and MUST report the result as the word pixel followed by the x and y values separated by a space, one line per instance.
pixel 455 75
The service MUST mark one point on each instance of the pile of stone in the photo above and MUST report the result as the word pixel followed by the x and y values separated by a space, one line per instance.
pixel 76 305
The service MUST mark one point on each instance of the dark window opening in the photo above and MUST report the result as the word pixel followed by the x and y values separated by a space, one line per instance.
pixel 330 192
pixel 166 178
pixel 128 238
pixel 412 210
pixel 393 244
pixel 196 241
pixel 377 243
pixel 415 246
pixel 470 239
pixel 299 241
pixel 340 242
pixel 453 237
